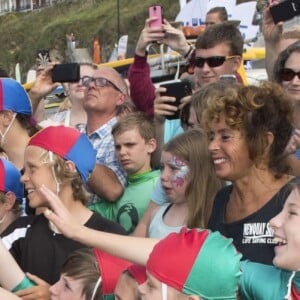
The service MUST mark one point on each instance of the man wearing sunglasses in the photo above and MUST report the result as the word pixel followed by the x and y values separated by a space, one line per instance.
pixel 218 51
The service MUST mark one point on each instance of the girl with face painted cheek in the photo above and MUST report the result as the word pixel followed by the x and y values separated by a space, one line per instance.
pixel 189 181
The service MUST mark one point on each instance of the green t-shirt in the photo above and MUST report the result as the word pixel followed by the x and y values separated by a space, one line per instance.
pixel 128 210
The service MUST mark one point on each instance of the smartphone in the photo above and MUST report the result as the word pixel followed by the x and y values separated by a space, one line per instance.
pixel 285 10
pixel 66 72
pixel 156 11
pixel 177 89
pixel 42 57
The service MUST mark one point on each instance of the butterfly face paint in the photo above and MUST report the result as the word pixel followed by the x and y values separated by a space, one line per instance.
pixel 182 170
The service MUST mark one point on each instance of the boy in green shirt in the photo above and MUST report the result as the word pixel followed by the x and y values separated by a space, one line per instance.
pixel 134 137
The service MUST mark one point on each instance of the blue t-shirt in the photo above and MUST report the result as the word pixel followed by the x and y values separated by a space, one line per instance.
pixel 171 129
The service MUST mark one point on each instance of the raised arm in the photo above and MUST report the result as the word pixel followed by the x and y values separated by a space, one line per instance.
pixel 141 86
pixel 131 248
pixel 105 183
pixel 42 87
pixel 272 34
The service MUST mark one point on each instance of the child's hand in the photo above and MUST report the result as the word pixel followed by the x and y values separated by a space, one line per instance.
pixel 38 292
pixel 59 215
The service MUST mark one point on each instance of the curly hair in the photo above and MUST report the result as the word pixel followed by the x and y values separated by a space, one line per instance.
pixel 256 110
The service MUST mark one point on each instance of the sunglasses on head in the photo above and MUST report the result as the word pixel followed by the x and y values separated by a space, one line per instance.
pixel 212 61
pixel 288 74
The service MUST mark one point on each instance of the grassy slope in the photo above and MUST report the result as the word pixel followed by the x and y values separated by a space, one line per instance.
pixel 22 34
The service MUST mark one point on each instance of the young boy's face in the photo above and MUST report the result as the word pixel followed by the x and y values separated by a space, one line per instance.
pixel 133 152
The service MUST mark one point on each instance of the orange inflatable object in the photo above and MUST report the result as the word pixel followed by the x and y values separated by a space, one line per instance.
pixel 192 32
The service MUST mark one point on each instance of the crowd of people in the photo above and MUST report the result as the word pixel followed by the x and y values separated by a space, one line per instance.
pixel 111 199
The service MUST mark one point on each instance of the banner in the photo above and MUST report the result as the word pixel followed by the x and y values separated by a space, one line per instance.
pixel 122 47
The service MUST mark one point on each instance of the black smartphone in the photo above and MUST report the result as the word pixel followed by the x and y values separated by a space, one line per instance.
pixel 177 89
pixel 42 57
pixel 66 72
pixel 285 10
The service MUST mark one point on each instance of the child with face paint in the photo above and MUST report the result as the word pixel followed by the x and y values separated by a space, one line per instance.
pixel 189 181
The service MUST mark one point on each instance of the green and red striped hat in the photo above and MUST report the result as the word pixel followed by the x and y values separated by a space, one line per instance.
pixel 197 262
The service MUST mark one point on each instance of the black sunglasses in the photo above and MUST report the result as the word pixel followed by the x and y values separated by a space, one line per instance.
pixel 212 61
pixel 288 74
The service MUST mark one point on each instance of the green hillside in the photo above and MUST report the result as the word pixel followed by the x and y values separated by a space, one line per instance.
pixel 23 33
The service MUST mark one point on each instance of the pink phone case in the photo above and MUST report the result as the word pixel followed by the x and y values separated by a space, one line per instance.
pixel 156 11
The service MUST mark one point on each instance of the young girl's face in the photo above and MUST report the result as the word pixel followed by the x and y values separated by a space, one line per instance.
pixel 286 232
pixel 174 177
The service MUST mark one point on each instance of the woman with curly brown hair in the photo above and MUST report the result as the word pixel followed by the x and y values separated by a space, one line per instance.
pixel 249 129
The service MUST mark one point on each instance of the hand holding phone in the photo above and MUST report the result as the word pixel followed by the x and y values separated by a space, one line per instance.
pixel 285 10
pixel 157 12
pixel 178 89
